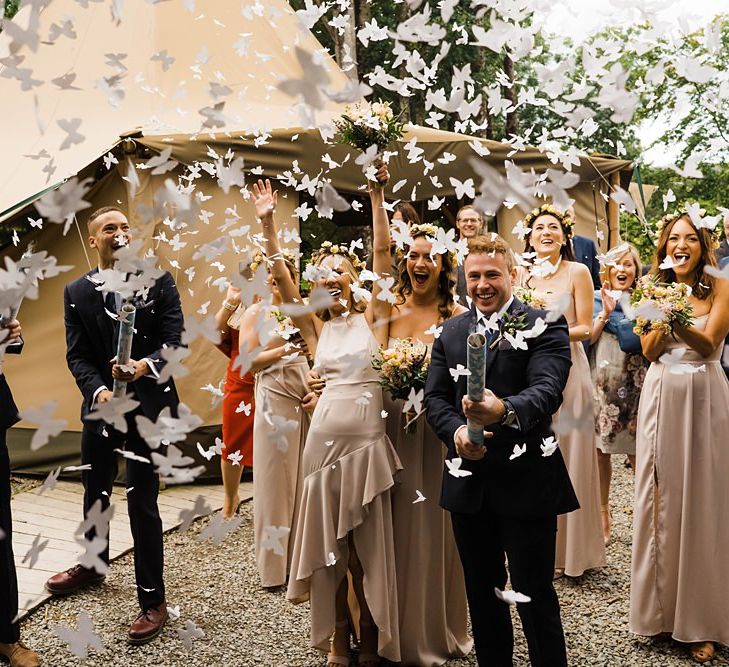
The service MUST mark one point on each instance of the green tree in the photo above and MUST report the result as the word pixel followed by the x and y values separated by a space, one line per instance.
pixel 11 8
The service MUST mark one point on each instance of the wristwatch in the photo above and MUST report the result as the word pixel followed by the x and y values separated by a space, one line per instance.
pixel 509 415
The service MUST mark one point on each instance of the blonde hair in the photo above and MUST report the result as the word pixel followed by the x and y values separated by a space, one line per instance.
pixel 344 265
pixel 634 255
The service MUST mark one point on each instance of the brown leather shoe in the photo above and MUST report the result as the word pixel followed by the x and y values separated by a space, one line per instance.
pixel 19 655
pixel 148 624
pixel 72 580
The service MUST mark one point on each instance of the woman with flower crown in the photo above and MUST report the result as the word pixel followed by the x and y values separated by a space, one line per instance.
pixel 280 425
pixel 565 285
pixel 345 516
pixel 431 592
pixel 680 529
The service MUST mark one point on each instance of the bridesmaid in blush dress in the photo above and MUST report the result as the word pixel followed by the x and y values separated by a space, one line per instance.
pixel 344 525
pixel 679 582
pixel 279 429
pixel 431 592
pixel 566 284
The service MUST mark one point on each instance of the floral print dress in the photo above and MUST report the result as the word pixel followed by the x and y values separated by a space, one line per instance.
pixel 617 380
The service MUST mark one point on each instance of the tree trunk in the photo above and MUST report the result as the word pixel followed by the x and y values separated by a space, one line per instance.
pixel 512 119
pixel 350 39
pixel 405 102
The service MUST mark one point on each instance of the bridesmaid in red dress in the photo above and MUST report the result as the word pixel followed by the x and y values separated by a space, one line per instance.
pixel 238 407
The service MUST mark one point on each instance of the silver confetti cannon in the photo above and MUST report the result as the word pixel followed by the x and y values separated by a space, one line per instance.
pixel 476 380
pixel 127 315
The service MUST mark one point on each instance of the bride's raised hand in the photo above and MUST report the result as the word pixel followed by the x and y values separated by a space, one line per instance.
pixel 264 199
pixel 382 175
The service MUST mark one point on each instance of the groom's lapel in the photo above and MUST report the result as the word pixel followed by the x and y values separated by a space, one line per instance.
pixel 491 354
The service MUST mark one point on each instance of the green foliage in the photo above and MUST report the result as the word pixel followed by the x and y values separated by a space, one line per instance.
pixel 11 8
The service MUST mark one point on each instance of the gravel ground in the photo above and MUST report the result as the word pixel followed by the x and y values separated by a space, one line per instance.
pixel 217 588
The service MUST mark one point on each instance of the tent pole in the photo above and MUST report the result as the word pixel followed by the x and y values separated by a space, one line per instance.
pixel 613 212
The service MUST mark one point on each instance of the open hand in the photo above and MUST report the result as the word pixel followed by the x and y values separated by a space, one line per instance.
pixel 264 199
pixel 232 296
pixel 608 301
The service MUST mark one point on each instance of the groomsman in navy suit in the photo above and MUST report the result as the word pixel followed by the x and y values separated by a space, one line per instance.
pixel 91 336
pixel 11 648
pixel 504 496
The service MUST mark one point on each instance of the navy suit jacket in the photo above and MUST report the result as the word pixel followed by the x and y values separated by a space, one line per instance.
pixel 586 252
pixel 8 409
pixel 90 343
pixel 532 380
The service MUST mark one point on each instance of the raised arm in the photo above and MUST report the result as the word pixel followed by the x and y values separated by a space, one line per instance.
pixel 265 200
pixel 378 310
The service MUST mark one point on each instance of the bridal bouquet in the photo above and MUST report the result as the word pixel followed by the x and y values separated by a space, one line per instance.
pixel 369 123
pixel 530 298
pixel 660 305
pixel 403 368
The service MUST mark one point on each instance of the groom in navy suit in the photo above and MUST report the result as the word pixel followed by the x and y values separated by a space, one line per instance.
pixel 506 505
pixel 91 336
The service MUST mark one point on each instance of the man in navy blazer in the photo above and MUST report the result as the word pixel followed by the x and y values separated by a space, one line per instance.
pixel 11 648
pixel 517 483
pixel 586 252
pixel 91 335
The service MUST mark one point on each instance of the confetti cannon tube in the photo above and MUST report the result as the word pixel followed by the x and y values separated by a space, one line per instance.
pixel 476 380
pixel 124 344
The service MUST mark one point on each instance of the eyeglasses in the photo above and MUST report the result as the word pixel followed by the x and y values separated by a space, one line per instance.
pixel 475 220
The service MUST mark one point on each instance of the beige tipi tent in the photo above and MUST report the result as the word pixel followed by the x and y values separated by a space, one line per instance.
pixel 153 118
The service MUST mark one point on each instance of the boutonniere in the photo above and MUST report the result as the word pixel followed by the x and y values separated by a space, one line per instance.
pixel 510 324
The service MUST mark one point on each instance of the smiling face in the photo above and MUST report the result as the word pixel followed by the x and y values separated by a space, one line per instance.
pixel 469 223
pixel 623 275
pixel 108 232
pixel 547 236
pixel 684 246
pixel 337 282
pixel 422 270
pixel 489 280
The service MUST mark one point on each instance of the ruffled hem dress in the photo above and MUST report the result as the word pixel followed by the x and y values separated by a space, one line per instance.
pixel 348 469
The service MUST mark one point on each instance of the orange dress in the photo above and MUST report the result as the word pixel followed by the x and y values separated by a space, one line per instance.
pixel 238 409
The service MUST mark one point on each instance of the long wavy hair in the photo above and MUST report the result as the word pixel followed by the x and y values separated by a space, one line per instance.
pixel 446 282
pixel 702 284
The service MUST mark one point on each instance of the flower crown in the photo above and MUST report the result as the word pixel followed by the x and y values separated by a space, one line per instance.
pixel 327 248
pixel 683 212
pixel 260 257
pixel 548 209
pixel 423 229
